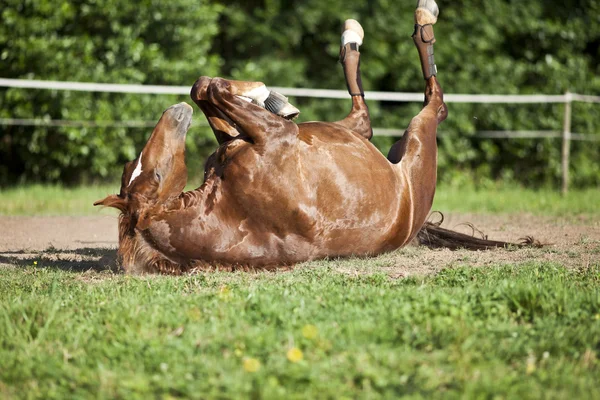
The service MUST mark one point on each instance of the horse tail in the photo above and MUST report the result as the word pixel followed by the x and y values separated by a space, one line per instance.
pixel 432 235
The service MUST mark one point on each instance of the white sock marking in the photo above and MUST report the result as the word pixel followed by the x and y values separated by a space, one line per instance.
pixel 350 36
pixel 258 94
pixel 137 171
pixel 248 99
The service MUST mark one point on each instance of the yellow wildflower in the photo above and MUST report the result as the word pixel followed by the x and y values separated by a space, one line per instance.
pixel 310 332
pixel 295 354
pixel 225 293
pixel 194 314
pixel 35 263
pixel 251 364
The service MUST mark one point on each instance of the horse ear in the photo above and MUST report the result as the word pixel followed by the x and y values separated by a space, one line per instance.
pixel 112 201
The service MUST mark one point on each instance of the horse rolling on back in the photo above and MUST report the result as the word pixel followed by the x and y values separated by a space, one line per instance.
pixel 276 192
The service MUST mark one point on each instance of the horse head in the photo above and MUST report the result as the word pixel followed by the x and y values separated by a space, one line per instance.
pixel 159 172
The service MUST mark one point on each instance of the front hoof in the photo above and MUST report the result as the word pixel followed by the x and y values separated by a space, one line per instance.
pixel 278 104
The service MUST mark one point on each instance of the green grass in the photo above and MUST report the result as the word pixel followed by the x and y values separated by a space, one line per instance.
pixel 56 200
pixel 516 199
pixel 531 331
pixel 53 200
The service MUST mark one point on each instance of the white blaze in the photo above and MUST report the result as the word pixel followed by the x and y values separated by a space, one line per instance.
pixel 137 171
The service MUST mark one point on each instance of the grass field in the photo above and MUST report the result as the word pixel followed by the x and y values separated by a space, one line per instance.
pixel 503 324
pixel 504 332
pixel 56 200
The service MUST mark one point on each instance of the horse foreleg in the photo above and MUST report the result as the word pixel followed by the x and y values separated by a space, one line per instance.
pixel 257 93
pixel 222 126
pixel 358 119
pixel 230 99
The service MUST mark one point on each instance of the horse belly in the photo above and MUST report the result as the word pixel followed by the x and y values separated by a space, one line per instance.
pixel 357 200
pixel 336 196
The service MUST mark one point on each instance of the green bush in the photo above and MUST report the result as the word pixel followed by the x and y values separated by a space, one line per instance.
pixel 499 47
pixel 147 42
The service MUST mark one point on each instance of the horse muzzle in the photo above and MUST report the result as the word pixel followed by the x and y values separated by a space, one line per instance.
pixel 180 116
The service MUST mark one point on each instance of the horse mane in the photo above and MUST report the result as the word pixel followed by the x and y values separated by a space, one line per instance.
pixel 432 235
pixel 137 256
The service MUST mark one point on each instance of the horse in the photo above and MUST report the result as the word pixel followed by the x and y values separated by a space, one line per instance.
pixel 276 193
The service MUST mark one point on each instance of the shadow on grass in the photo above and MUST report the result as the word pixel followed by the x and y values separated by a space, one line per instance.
pixel 78 260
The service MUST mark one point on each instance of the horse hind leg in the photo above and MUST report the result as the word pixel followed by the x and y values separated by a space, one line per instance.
pixel 415 155
pixel 419 139
pixel 358 119
pixel 426 16
pixel 423 127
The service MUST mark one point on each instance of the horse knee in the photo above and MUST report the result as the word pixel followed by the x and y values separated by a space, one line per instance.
pixel 200 88
pixel 216 88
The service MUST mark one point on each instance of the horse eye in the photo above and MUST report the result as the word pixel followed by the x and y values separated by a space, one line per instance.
pixel 157 176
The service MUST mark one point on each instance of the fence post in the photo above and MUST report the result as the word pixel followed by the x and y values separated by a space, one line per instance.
pixel 566 143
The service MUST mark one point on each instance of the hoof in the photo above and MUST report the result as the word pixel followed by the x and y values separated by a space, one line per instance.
pixel 278 104
pixel 352 32
pixel 427 12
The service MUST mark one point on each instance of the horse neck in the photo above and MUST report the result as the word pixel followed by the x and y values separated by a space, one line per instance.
pixel 136 254
pixel 203 197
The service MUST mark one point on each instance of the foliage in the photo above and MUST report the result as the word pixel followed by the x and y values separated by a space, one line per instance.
pixel 527 331
pixel 110 41
pixel 497 47
pixel 500 47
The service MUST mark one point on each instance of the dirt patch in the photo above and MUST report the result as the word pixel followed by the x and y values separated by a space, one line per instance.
pixel 70 243
pixel 573 242
pixel 89 243
pixel 66 233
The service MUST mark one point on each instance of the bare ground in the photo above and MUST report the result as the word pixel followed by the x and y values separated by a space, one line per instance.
pixel 89 243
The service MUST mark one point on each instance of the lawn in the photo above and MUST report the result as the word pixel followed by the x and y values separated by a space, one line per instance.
pixel 531 331
pixel 327 329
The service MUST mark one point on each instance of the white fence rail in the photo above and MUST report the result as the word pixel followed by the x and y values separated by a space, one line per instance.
pixel 298 92
pixel 567 99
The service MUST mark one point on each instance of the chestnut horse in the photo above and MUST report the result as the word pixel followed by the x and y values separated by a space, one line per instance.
pixel 276 192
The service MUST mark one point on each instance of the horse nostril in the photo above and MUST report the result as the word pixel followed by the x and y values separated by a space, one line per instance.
pixel 176 112
pixel 180 111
